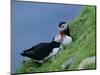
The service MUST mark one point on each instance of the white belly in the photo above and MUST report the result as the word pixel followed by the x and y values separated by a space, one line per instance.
pixel 67 40
pixel 53 53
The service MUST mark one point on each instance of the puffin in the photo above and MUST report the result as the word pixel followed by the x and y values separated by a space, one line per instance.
pixel 43 51
pixel 63 27
pixel 65 33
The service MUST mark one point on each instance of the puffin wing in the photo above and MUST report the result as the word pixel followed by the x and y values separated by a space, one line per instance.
pixel 41 51
pixel 38 52
pixel 32 48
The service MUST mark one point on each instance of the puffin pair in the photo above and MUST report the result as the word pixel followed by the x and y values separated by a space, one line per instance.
pixel 44 51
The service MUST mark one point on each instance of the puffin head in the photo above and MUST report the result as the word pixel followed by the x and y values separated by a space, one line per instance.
pixel 64 28
pixel 57 38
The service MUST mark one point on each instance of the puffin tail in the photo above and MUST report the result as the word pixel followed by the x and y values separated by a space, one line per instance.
pixel 23 54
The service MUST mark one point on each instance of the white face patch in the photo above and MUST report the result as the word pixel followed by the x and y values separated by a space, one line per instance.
pixel 58 38
pixel 63 27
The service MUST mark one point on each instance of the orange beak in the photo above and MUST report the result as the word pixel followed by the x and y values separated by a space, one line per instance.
pixel 61 33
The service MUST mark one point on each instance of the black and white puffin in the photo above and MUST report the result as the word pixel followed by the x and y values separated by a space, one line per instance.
pixel 43 51
pixel 65 33
pixel 64 28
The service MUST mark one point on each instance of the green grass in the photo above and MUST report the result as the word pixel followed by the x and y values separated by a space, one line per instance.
pixel 90 66
pixel 84 45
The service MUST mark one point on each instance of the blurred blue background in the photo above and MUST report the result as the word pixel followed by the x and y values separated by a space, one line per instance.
pixel 33 23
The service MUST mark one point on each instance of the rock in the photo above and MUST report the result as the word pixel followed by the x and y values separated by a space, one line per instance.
pixel 67 63
pixel 87 61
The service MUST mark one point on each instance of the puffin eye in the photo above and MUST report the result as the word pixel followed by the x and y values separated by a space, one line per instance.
pixel 62 26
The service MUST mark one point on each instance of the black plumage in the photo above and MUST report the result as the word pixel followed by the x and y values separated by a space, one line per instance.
pixel 40 51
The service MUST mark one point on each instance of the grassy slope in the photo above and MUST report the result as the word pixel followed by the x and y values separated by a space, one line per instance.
pixel 83 34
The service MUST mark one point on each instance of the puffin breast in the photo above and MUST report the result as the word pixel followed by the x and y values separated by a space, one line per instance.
pixel 67 40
